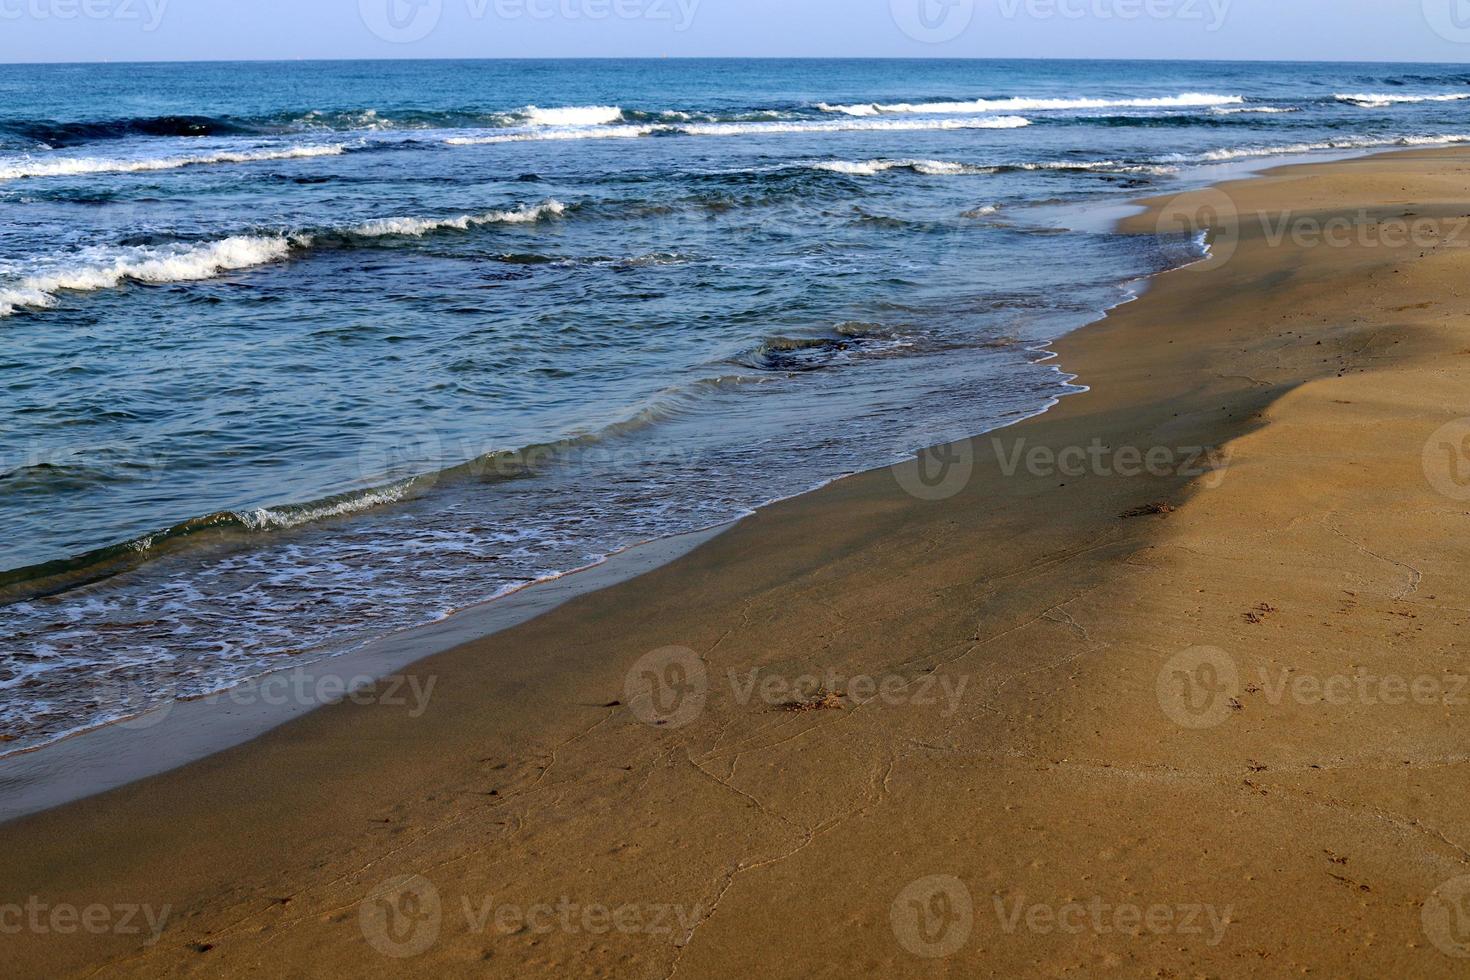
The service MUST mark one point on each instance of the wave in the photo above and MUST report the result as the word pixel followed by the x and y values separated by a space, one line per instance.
pixel 1347 143
pixel 587 133
pixel 55 134
pixel 417 227
pixel 100 268
pixel 60 575
pixel 72 166
pixel 743 129
pixel 934 168
pixel 1096 166
pixel 1378 101
pixel 1184 100
pixel 1264 110
pixel 573 115
pixel 165 264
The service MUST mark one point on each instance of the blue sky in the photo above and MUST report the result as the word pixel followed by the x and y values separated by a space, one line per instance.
pixel 118 30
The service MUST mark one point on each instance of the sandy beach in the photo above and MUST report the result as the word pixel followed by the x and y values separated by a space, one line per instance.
pixel 1168 681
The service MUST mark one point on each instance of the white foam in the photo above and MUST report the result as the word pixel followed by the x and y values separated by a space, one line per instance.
pixel 592 115
pixel 100 268
pixel 422 226
pixel 589 133
pixel 1354 143
pixel 69 166
pixel 1265 110
pixel 267 518
pixel 1101 166
pixel 1184 100
pixel 94 269
pixel 888 125
pixel 744 129
pixel 868 168
pixel 1373 100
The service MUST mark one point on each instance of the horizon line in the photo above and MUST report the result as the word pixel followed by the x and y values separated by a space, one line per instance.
pixel 570 58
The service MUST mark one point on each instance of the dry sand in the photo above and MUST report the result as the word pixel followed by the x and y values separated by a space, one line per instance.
pixel 1225 735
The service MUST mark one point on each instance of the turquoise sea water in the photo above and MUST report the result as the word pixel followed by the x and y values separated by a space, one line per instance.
pixel 295 355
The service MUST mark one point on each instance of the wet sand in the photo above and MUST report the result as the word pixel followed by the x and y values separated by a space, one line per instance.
pixel 1169 681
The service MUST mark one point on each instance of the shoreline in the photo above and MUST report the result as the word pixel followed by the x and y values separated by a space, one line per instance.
pixel 1025 587
pixel 1113 217
pixel 33 777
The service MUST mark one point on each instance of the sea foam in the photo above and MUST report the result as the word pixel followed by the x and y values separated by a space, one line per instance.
pixel 1184 100
pixel 595 115
pixel 1373 100
pixel 744 129
pixel 95 269
pixel 70 166
pixel 98 268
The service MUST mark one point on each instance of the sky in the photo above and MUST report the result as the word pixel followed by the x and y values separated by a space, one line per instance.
pixel 182 30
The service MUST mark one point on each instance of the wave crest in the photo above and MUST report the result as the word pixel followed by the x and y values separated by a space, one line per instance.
pixel 1183 100
pixel 72 166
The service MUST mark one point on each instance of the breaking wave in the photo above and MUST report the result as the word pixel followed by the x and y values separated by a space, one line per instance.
pixel 71 166
pixel 1185 100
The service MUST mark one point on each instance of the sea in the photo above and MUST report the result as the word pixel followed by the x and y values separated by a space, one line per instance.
pixel 294 356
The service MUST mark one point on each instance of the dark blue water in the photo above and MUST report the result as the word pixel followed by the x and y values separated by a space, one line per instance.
pixel 294 355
